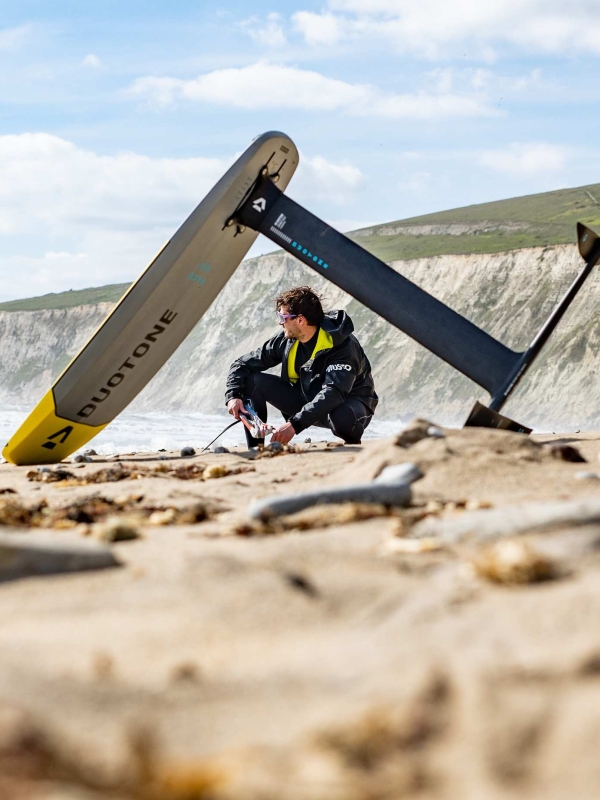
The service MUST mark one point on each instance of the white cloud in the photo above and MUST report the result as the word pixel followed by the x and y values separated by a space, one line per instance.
pixel 92 60
pixel 484 82
pixel 319 29
pixel 47 184
pixel 266 85
pixel 266 33
pixel 89 220
pixel 435 27
pixel 525 159
pixel 335 182
pixel 13 38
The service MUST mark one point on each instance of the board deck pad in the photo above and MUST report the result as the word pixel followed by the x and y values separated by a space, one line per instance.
pixel 153 317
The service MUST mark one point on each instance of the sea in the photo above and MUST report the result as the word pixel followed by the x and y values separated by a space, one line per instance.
pixel 148 432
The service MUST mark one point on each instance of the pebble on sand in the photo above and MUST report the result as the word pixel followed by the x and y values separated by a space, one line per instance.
pixel 567 452
pixel 215 471
pixel 116 529
pixel 586 475
pixel 410 546
pixel 187 452
pixel 512 562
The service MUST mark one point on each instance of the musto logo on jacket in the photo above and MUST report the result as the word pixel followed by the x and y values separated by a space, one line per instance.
pixel 336 367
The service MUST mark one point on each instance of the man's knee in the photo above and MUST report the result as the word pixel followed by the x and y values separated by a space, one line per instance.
pixel 349 421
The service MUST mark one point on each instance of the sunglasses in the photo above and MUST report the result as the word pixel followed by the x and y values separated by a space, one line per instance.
pixel 284 317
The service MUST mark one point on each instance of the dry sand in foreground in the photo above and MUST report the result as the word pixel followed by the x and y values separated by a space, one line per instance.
pixel 330 662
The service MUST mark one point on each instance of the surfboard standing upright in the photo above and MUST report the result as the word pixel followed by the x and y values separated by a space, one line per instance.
pixel 154 316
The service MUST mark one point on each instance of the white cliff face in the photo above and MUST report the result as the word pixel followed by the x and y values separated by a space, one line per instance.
pixel 508 294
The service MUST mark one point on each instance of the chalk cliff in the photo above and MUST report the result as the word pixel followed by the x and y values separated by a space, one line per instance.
pixel 509 294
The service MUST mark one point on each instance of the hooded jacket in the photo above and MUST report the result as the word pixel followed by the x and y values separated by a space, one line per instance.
pixel 338 369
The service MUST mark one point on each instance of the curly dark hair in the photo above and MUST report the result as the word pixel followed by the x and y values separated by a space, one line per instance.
pixel 302 300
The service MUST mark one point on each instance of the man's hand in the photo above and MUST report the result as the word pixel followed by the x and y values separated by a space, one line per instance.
pixel 284 433
pixel 235 406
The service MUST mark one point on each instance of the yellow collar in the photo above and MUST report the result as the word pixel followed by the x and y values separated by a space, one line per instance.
pixel 324 342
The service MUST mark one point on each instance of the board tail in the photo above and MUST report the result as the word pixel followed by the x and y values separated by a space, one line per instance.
pixel 54 437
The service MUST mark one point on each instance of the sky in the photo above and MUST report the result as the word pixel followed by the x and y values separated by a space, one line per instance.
pixel 116 118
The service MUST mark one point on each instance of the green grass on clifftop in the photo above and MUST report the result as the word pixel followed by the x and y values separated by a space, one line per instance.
pixel 537 220
pixel 78 297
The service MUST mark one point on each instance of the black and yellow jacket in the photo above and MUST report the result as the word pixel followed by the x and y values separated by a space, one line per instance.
pixel 338 369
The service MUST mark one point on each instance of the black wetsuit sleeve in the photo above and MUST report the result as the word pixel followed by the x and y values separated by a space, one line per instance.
pixel 340 375
pixel 268 355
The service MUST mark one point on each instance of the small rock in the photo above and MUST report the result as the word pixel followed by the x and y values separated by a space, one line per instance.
pixel 435 433
pixel 116 529
pixel 410 546
pixel 187 672
pixel 220 449
pixel 399 473
pixel 162 458
pixel 186 452
pixel 586 475
pixel 215 471
pixel 162 450
pixel 165 517
pixel 90 453
pixel 307 441
pixel 275 447
pixel 81 458
pixel 415 431
pixel 566 452
pixel 301 583
pixel 477 505
pixel 513 562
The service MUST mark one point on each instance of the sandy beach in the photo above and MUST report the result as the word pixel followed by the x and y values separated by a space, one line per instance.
pixel 449 649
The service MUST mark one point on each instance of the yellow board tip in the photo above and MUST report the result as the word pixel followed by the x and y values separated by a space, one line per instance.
pixel 45 438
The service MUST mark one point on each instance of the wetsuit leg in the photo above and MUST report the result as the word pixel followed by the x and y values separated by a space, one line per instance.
pixel 261 389
pixel 349 420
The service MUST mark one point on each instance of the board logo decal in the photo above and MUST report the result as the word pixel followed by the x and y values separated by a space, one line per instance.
pixel 281 235
pixel 260 204
pixel 139 352
pixel 280 221
pixel 64 434
pixel 306 252
pixel 201 279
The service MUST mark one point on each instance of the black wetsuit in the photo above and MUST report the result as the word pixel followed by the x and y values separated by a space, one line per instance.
pixel 325 382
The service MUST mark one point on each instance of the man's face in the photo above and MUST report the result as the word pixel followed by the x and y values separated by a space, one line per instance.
pixel 291 328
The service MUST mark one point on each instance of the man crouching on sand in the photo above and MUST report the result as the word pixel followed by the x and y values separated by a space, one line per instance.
pixel 325 375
